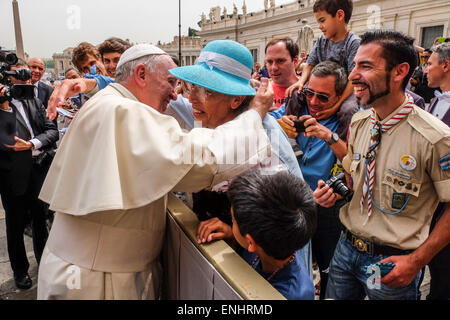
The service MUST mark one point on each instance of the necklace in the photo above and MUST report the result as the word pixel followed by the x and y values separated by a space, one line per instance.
pixel 291 258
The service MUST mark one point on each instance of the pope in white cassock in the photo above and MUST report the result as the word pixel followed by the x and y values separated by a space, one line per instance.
pixel 109 181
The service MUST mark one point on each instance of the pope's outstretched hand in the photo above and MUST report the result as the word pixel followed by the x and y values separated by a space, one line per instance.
pixel 66 89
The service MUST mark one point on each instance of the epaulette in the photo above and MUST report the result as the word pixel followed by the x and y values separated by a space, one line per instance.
pixel 431 128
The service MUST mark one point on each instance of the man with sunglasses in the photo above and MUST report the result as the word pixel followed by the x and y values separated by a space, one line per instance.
pixel 321 148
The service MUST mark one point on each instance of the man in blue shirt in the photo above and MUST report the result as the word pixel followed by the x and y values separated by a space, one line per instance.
pixel 321 148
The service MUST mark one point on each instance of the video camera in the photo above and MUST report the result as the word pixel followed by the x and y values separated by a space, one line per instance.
pixel 16 91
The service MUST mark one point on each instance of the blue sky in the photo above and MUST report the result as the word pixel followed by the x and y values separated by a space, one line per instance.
pixel 50 26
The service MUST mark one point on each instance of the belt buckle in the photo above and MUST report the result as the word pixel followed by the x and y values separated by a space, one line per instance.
pixel 362 246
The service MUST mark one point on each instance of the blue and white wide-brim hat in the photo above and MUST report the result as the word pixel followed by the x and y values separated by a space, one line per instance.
pixel 223 66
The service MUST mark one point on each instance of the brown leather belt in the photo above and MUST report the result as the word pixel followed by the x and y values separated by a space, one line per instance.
pixel 373 248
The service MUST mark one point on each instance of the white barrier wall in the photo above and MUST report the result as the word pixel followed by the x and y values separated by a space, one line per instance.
pixel 205 272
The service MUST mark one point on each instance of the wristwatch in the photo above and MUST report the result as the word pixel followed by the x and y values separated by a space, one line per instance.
pixel 334 138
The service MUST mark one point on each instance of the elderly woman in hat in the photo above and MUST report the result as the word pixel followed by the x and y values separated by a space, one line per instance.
pixel 219 90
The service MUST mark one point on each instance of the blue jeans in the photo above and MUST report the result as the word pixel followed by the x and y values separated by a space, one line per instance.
pixel 348 277
pixel 324 241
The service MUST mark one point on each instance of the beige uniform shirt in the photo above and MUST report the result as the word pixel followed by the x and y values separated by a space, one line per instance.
pixel 410 161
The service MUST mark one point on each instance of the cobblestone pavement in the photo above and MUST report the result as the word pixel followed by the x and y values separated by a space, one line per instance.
pixel 8 290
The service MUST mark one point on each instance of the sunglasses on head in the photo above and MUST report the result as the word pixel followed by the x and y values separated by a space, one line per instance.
pixel 321 96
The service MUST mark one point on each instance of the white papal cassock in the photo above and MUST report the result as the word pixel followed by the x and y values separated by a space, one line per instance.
pixel 108 185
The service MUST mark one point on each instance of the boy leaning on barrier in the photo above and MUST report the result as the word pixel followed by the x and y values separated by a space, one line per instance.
pixel 273 215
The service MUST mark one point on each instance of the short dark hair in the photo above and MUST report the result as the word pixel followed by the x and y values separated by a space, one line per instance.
pixel 331 68
pixel 277 210
pixel 291 46
pixel 244 105
pixel 397 48
pixel 113 44
pixel 70 69
pixel 428 50
pixel 332 6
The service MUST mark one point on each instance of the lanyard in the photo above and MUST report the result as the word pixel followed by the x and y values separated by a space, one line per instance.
pixel 373 202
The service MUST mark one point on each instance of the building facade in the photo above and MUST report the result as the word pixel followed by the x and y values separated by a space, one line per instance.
pixel 423 19
pixel 62 62
pixel 190 49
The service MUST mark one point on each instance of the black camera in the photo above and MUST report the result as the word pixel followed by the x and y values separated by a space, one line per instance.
pixel 339 187
pixel 16 91
pixel 299 125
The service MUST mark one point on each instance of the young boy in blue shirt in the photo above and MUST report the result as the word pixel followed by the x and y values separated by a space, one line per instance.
pixel 274 215
pixel 338 44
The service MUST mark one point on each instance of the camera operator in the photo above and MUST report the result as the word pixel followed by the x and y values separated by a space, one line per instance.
pixel 42 90
pixel 321 146
pixel 23 167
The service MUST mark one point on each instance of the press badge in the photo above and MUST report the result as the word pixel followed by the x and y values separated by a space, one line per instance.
pixel 398 200
pixel 356 156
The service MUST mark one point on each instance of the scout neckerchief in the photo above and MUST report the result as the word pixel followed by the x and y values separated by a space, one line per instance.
pixel 375 140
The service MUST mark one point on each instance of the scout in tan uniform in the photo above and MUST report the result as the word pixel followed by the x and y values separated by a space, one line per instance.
pixel 398 158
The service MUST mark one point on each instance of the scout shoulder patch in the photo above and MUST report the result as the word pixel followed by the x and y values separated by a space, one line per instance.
pixel 444 162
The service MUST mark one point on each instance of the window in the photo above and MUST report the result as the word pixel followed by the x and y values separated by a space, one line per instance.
pixel 254 53
pixel 431 33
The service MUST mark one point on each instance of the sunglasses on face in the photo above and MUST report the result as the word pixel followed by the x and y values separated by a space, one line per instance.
pixel 321 96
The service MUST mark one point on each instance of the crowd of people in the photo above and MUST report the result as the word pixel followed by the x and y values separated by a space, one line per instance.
pixel 270 143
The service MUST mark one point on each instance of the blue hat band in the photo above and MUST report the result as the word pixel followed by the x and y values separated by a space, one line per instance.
pixel 225 64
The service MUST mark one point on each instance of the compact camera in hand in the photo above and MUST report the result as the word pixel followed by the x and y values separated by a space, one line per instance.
pixel 299 125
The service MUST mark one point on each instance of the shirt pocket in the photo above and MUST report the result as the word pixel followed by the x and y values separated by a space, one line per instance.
pixel 355 168
pixel 396 190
